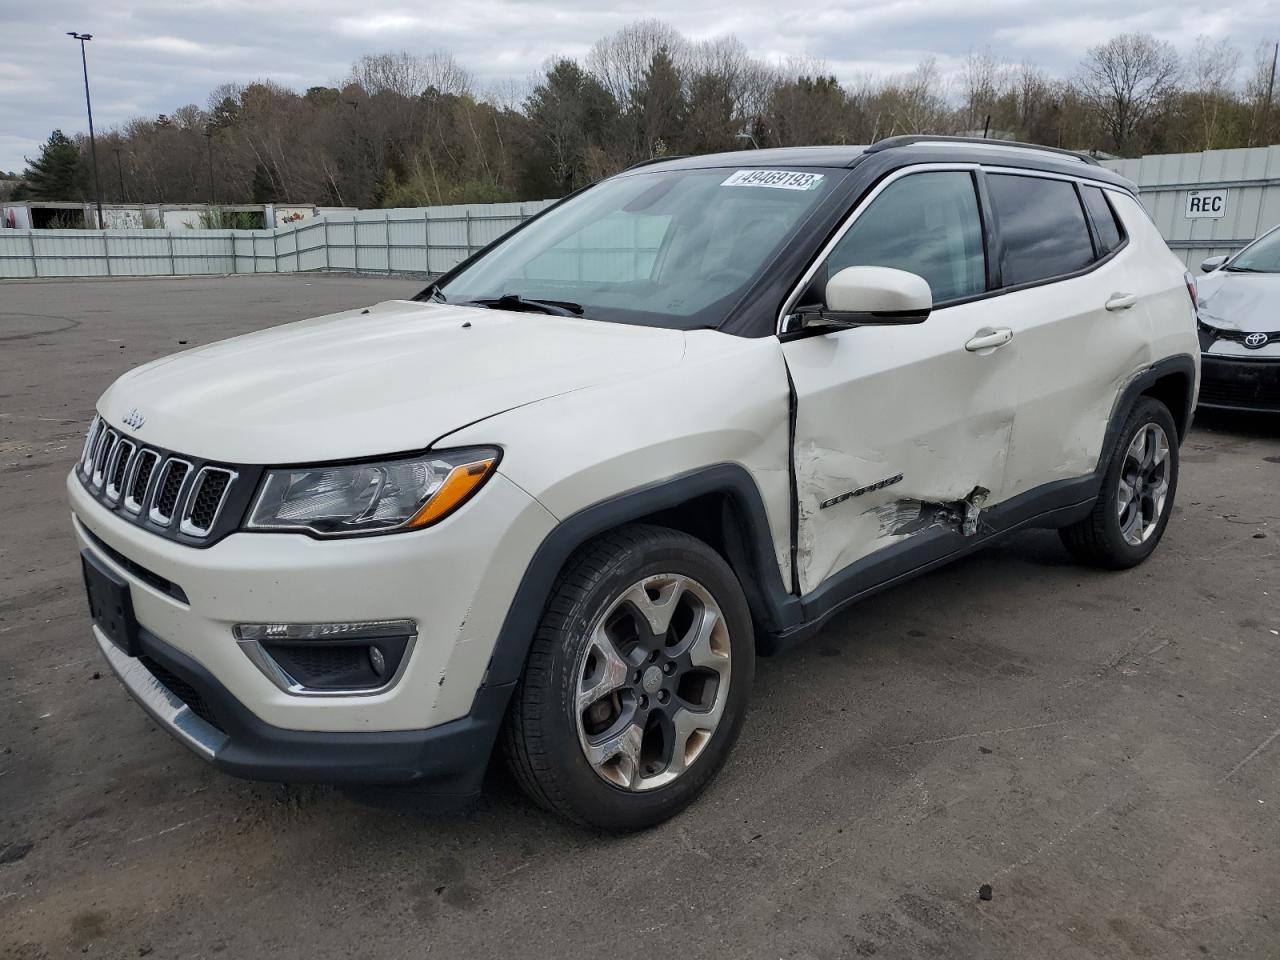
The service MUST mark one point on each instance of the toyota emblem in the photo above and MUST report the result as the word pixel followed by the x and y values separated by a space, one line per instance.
pixel 1255 340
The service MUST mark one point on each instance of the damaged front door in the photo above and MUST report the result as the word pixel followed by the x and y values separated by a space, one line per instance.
pixel 902 429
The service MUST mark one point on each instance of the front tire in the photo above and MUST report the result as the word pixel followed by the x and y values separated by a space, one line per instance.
pixel 637 681
pixel 1136 498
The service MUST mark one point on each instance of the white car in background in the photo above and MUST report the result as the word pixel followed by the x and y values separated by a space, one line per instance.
pixel 560 500
pixel 1239 314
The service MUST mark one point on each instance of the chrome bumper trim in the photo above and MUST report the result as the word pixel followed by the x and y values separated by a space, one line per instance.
pixel 160 703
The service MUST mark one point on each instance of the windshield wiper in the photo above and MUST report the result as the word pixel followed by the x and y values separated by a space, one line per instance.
pixel 1244 270
pixel 429 294
pixel 513 301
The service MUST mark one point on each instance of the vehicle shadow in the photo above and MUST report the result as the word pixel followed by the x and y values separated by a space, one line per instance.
pixel 1239 423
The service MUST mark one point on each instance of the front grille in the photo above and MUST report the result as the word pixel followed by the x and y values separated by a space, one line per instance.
pixel 1235 393
pixel 184 499
pixel 183 691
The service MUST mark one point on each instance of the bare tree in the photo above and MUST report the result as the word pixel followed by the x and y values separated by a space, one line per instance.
pixel 1260 92
pixel 410 74
pixel 1212 73
pixel 620 61
pixel 1127 78
pixel 984 81
pixel 915 102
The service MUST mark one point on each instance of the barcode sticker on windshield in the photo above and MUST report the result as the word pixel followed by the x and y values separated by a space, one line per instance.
pixel 779 179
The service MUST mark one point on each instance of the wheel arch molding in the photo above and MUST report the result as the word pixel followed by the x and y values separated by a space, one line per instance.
pixel 720 504
pixel 1171 381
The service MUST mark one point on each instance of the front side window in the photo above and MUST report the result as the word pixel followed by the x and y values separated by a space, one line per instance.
pixel 927 224
pixel 674 248
pixel 1042 225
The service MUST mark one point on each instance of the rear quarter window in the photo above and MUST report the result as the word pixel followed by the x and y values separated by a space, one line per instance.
pixel 1105 225
pixel 1042 225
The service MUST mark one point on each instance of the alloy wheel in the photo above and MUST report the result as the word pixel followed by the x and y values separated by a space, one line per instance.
pixel 1144 484
pixel 652 682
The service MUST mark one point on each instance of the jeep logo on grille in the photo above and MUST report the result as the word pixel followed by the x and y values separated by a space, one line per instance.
pixel 134 420
pixel 1256 340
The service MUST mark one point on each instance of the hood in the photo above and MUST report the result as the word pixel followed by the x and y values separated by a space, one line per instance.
pixel 1249 302
pixel 360 384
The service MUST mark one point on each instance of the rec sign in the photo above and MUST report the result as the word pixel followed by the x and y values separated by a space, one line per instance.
pixel 1206 204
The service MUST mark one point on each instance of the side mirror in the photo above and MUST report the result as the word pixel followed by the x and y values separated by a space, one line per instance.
pixel 1212 264
pixel 872 296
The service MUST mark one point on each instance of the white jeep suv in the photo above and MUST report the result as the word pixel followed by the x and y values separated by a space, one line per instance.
pixel 561 499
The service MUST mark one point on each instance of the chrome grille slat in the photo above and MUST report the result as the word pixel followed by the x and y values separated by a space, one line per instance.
pixel 205 499
pixel 118 468
pixel 138 482
pixel 86 456
pixel 103 454
pixel 169 487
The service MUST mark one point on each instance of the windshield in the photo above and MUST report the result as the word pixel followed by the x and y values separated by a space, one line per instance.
pixel 1262 257
pixel 664 248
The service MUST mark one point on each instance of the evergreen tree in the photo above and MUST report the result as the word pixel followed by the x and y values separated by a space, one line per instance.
pixel 570 113
pixel 659 107
pixel 54 175
pixel 263 188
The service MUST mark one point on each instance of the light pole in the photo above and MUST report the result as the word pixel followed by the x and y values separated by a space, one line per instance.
pixel 120 174
pixel 93 143
pixel 208 135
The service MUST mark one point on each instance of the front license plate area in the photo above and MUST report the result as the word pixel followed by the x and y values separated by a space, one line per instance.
pixel 110 604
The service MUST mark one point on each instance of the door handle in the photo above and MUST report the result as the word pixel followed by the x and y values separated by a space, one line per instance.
pixel 989 339
pixel 1121 301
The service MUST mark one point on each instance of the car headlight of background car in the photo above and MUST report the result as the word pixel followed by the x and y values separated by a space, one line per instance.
pixel 334 500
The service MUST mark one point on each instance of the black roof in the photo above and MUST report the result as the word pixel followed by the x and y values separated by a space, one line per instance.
pixel 901 151
pixel 790 156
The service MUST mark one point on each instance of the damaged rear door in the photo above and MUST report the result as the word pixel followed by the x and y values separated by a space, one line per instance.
pixel 902 429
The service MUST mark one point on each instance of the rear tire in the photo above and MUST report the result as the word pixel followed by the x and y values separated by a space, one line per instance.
pixel 637 681
pixel 1136 499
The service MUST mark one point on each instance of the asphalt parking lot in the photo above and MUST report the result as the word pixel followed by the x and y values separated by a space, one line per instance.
pixel 1103 749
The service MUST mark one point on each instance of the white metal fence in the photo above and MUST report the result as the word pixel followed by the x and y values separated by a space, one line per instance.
pixel 1246 180
pixel 424 240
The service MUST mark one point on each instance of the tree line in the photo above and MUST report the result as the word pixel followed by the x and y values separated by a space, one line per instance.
pixel 407 129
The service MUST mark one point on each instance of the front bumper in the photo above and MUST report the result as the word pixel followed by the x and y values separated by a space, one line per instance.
pixel 455 580
pixel 1240 383
pixel 188 702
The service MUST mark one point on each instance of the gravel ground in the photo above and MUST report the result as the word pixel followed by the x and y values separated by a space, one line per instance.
pixel 1102 749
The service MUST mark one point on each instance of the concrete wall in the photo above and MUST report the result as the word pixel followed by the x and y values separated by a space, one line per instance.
pixel 1250 207
pixel 422 240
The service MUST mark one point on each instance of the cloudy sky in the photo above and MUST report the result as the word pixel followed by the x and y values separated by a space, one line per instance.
pixel 149 58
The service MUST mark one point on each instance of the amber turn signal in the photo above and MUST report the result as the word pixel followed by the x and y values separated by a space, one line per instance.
pixel 462 481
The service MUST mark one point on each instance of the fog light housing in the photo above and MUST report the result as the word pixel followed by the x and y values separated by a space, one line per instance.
pixel 330 659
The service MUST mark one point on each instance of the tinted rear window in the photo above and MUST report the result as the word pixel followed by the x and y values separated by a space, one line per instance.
pixel 1105 224
pixel 1042 225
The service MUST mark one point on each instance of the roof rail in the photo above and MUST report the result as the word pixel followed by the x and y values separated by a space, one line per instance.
pixel 652 160
pixel 907 140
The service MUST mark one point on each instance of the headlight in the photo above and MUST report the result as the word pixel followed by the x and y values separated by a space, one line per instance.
pixel 362 498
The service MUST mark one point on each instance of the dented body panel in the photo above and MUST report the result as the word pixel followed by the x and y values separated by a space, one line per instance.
pixel 876 402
